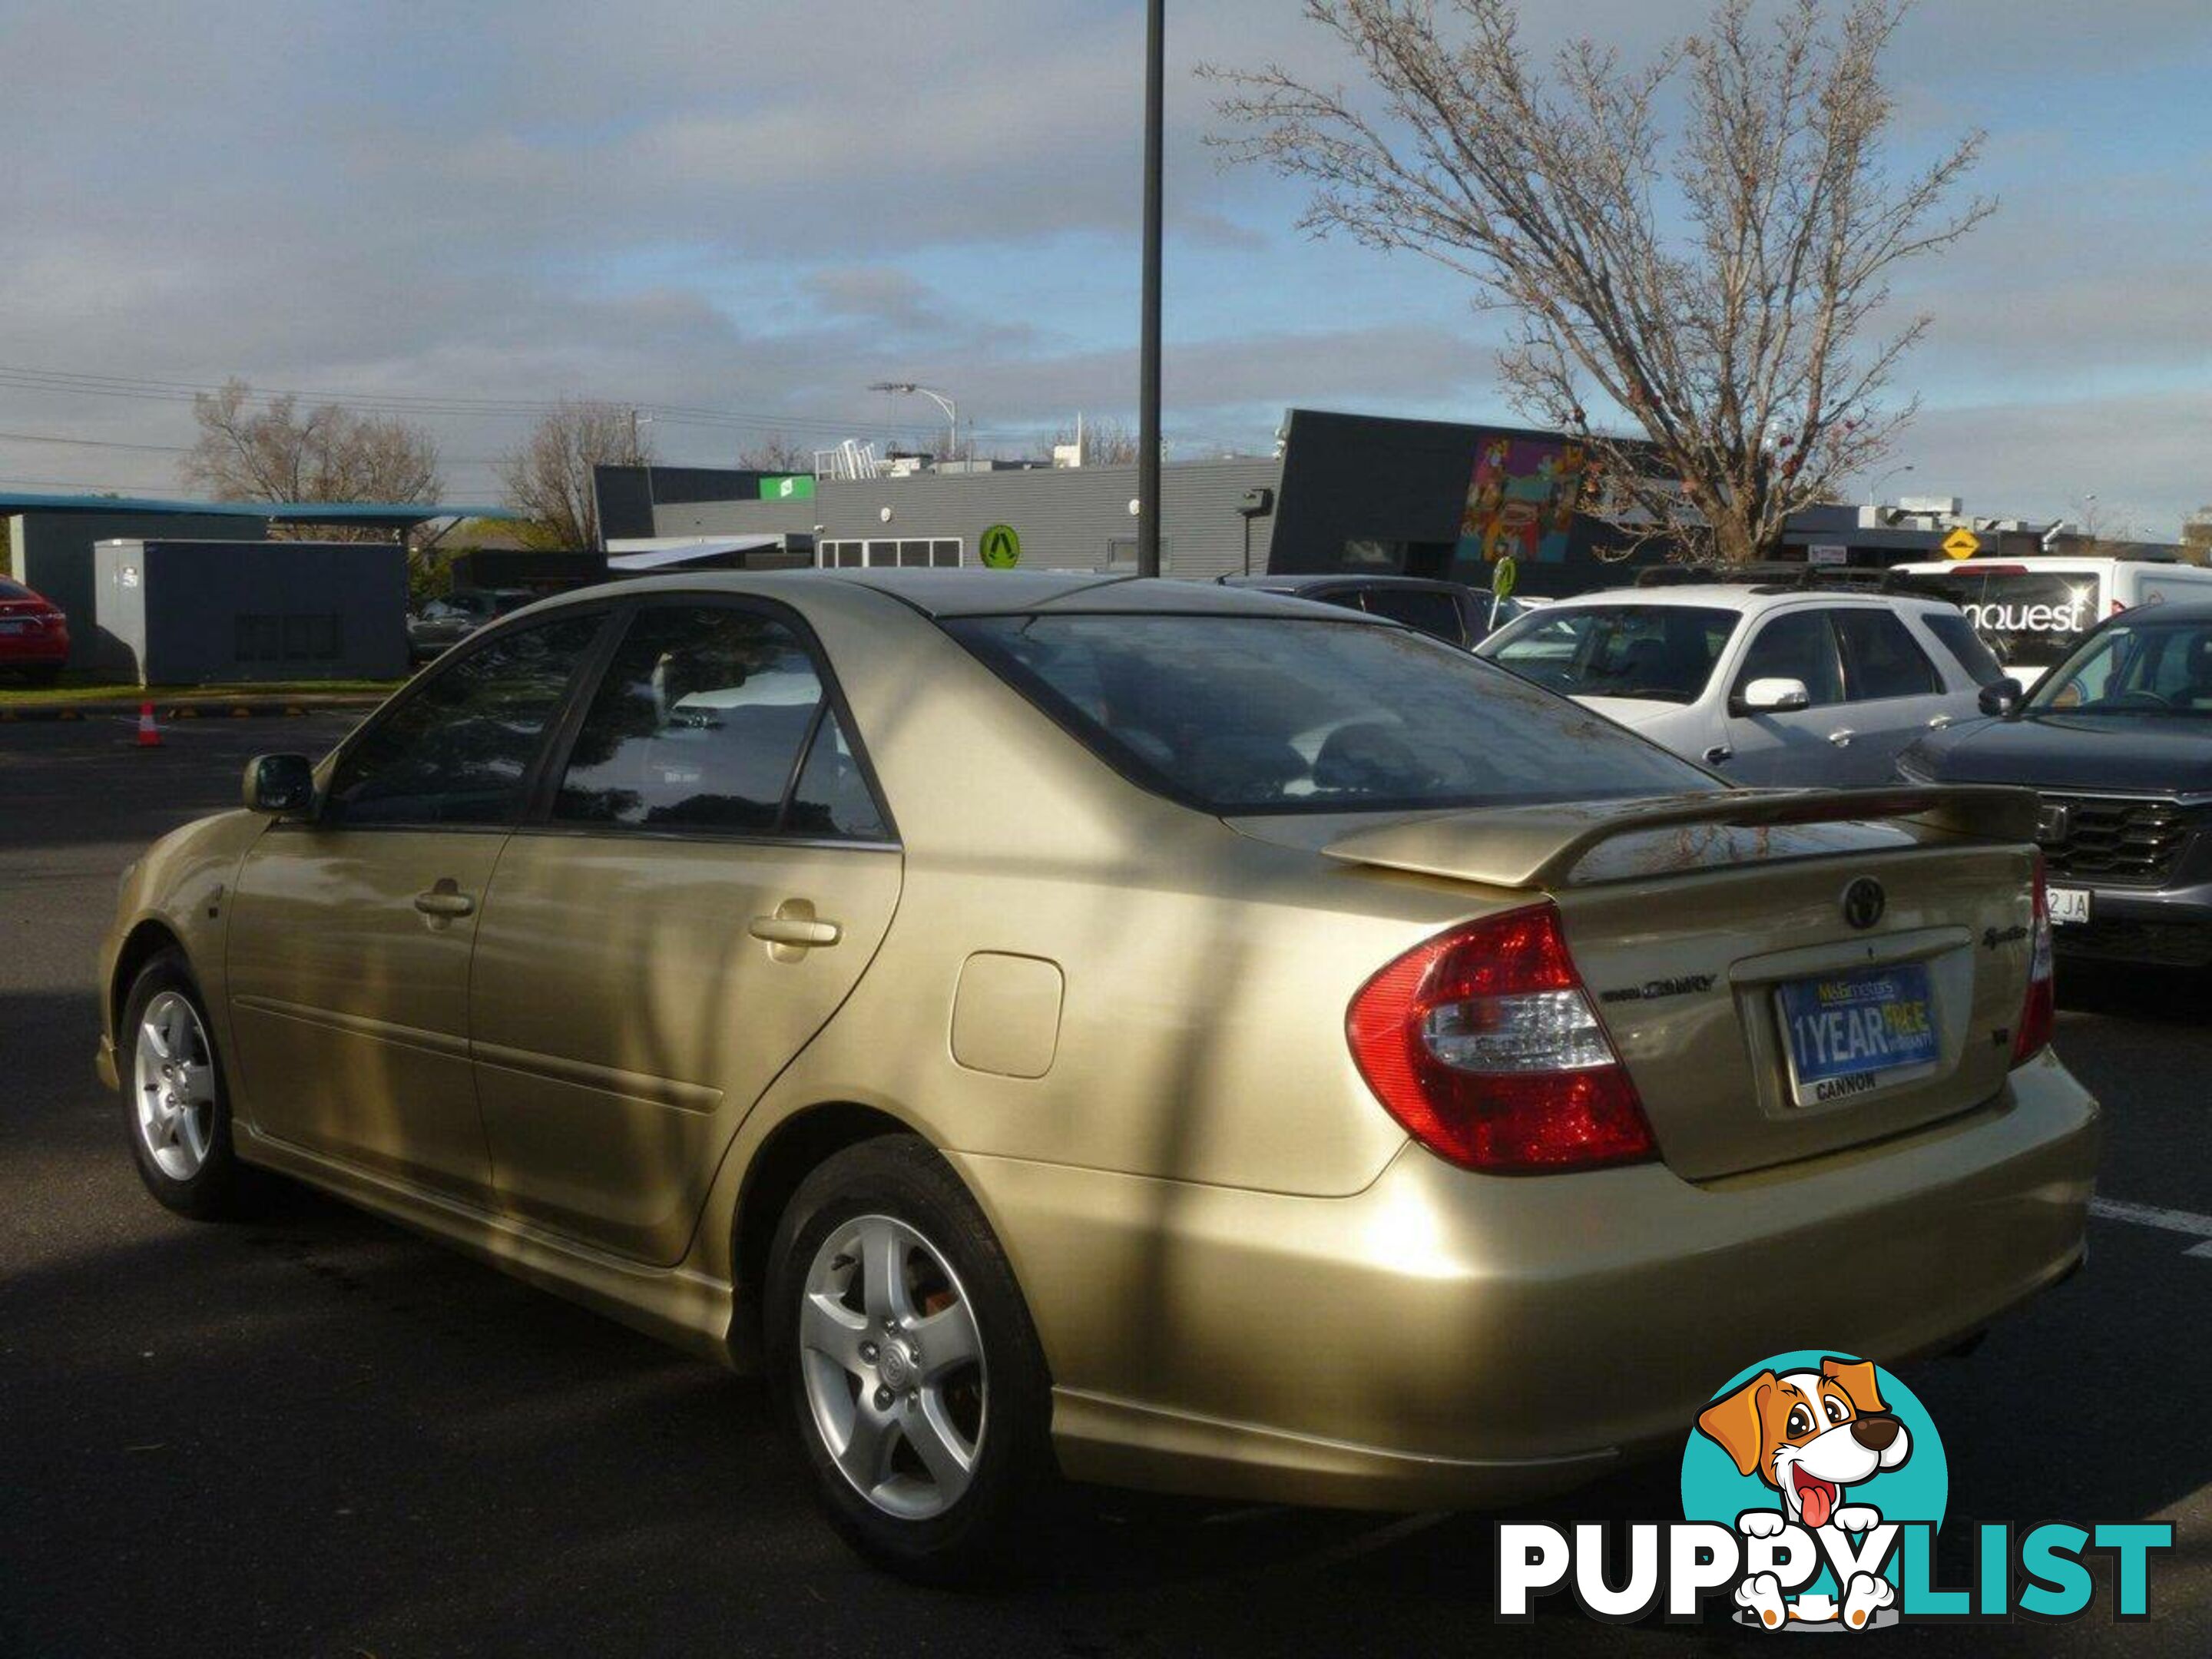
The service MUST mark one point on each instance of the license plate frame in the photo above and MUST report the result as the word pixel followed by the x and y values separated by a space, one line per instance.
pixel 1830 1025
pixel 2070 905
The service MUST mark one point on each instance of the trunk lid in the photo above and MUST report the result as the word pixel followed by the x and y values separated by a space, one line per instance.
pixel 1688 916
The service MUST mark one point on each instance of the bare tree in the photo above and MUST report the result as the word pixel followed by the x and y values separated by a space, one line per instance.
pixel 1723 291
pixel 247 450
pixel 549 477
pixel 1106 442
pixel 777 453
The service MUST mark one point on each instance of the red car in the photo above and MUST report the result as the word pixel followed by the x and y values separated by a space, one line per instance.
pixel 34 639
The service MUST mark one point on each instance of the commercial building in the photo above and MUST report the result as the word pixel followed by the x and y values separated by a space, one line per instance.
pixel 1346 492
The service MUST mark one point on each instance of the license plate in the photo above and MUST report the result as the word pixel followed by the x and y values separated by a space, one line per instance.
pixel 1852 1033
pixel 7 626
pixel 2068 904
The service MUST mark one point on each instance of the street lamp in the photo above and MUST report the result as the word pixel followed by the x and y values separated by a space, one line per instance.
pixel 1874 489
pixel 951 410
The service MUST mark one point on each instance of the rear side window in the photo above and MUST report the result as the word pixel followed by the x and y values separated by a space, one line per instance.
pixel 701 722
pixel 1956 635
pixel 1798 645
pixel 1880 659
pixel 458 750
pixel 1434 613
pixel 1248 715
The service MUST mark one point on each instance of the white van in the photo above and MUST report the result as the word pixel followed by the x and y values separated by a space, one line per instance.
pixel 2034 611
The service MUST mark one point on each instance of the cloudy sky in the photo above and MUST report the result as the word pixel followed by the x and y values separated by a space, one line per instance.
pixel 741 213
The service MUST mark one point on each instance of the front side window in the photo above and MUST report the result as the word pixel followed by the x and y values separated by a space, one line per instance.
pixel 458 750
pixel 1880 659
pixel 1798 645
pixel 1664 653
pixel 1252 715
pixel 2133 671
pixel 701 723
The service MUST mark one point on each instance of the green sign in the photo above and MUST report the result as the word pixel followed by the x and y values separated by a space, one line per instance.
pixel 1503 577
pixel 1000 548
pixel 787 486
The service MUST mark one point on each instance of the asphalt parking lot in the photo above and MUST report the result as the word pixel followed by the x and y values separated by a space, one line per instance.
pixel 316 1434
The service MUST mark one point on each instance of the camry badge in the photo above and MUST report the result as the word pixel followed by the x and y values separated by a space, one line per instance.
pixel 1864 901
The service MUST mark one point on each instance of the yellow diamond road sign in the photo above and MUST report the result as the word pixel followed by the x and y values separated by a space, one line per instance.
pixel 1962 543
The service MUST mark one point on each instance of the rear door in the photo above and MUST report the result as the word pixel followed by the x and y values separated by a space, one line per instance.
pixel 702 884
pixel 350 937
pixel 1893 690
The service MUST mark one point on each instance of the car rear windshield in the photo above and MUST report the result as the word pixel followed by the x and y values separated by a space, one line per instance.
pixel 2031 618
pixel 14 590
pixel 1247 715
pixel 1664 653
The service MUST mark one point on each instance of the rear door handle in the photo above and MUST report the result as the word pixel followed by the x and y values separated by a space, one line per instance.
pixel 445 900
pixel 794 926
pixel 1842 737
pixel 1940 722
pixel 1719 754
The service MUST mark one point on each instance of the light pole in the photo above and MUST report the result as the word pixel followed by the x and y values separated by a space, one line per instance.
pixel 942 400
pixel 1874 489
pixel 1148 348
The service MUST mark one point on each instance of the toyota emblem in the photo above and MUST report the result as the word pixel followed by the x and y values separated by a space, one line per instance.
pixel 1864 901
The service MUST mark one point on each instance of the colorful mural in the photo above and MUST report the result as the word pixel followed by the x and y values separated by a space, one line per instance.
pixel 1522 499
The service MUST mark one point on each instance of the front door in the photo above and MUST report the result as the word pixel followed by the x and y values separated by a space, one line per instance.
pixel 1797 746
pixel 351 936
pixel 712 877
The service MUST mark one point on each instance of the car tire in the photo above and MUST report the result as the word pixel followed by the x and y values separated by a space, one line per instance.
pixel 884 1409
pixel 176 1100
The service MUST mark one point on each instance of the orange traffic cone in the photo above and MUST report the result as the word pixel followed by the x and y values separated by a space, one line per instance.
pixel 149 735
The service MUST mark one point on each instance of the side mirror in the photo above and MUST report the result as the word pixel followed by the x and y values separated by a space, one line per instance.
pixel 279 783
pixel 2002 697
pixel 1776 696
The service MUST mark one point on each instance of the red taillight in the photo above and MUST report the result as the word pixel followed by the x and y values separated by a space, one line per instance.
pixel 1484 1043
pixel 2039 1013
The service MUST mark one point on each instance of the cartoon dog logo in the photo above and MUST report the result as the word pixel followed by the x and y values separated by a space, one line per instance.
pixel 1811 1435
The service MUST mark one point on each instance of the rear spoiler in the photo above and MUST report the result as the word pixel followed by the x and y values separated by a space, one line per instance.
pixel 1541 845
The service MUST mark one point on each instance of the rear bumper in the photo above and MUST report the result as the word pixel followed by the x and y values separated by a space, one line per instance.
pixel 1445 1339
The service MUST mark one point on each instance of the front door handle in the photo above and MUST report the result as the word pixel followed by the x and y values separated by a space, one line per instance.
pixel 445 900
pixel 793 930
pixel 1719 754
pixel 1842 737
pixel 1940 722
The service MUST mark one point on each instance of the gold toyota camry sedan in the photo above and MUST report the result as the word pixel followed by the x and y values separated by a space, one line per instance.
pixel 1147 1032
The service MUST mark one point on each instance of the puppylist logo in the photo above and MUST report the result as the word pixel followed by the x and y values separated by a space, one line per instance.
pixel 1814 1485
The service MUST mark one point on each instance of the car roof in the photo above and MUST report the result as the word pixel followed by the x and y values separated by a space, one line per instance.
pixel 1299 581
pixel 1737 596
pixel 947 593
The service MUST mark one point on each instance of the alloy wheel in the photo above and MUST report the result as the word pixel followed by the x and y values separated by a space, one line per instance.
pixel 174 1071
pixel 892 1364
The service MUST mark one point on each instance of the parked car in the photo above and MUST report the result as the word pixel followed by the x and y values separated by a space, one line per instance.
pixel 1766 683
pixel 2033 612
pixel 1451 611
pixel 34 636
pixel 2117 740
pixel 440 624
pixel 1159 1033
